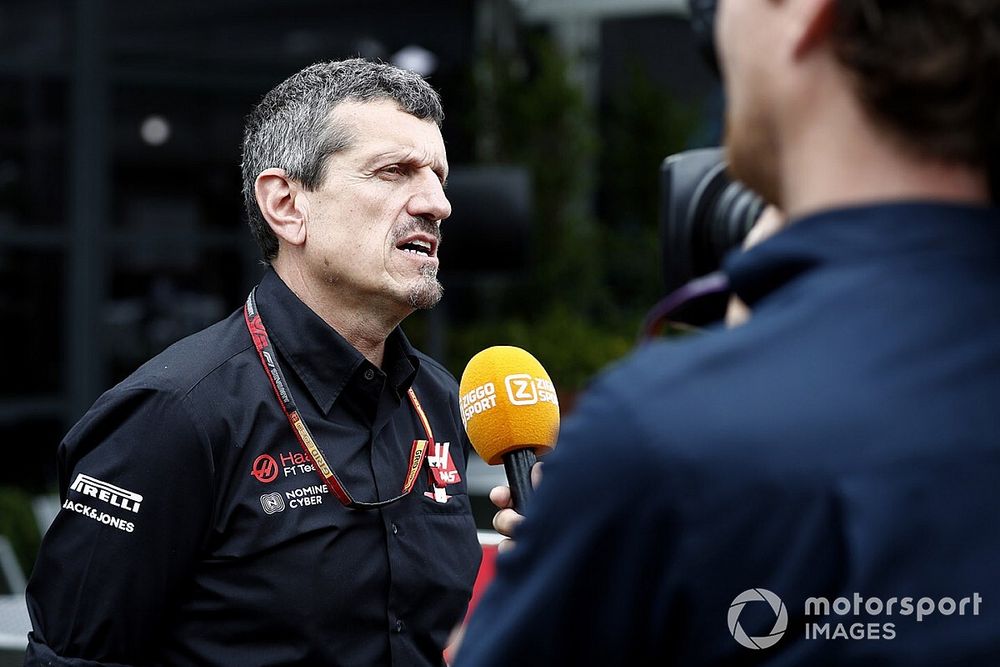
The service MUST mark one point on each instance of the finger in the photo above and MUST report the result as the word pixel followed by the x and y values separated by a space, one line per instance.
pixel 505 546
pixel 536 474
pixel 770 222
pixel 506 522
pixel 500 496
pixel 737 312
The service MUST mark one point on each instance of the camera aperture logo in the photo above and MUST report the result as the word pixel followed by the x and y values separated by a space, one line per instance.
pixel 856 618
pixel 780 621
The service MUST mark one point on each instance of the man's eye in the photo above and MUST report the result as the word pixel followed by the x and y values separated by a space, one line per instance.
pixel 394 170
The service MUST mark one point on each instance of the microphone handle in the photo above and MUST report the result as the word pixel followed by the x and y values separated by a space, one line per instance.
pixel 517 464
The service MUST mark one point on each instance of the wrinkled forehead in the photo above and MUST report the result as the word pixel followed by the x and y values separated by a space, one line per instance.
pixel 381 127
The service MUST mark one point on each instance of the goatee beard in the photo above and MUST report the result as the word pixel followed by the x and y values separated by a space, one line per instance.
pixel 428 291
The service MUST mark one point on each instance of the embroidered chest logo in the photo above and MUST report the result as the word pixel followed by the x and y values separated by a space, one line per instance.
pixel 264 469
pixel 272 502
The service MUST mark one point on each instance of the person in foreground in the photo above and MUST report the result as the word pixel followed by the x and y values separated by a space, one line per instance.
pixel 236 501
pixel 817 486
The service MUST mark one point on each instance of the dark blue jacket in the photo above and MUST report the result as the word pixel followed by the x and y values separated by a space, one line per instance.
pixel 840 450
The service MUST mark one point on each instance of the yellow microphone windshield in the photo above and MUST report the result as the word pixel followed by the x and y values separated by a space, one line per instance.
pixel 508 402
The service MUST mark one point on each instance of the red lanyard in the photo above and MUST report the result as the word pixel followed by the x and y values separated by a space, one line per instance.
pixel 270 362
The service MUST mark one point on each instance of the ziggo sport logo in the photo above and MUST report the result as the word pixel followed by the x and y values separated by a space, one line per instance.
pixel 522 389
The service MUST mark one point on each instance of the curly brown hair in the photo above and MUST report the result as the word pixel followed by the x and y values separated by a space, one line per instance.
pixel 929 70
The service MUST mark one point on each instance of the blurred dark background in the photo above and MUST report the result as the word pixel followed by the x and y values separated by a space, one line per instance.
pixel 121 227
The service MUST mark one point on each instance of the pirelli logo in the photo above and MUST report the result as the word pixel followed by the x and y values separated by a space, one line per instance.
pixel 109 493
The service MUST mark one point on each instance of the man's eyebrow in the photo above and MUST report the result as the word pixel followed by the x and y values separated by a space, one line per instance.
pixel 409 155
pixel 395 154
pixel 441 169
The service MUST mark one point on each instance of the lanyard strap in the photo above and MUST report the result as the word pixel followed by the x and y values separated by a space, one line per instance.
pixel 269 360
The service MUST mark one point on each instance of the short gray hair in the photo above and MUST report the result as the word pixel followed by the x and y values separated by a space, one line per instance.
pixel 289 129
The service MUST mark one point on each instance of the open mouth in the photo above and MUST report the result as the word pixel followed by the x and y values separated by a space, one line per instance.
pixel 420 245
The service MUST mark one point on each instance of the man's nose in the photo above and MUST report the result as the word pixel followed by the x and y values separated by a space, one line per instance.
pixel 429 201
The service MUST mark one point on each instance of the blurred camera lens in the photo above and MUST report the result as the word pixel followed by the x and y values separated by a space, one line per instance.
pixel 703 214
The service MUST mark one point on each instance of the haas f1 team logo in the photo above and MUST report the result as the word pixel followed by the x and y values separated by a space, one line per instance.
pixel 264 469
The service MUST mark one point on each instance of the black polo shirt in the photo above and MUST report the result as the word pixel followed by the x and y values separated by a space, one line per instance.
pixel 194 530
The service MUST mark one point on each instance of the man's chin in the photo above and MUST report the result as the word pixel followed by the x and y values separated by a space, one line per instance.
pixel 426 295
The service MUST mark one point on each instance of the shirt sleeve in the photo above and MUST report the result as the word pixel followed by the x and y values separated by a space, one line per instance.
pixel 135 478
pixel 586 576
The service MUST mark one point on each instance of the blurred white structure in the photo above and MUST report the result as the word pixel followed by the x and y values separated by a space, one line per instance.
pixel 547 10
pixel 14 621
pixel 415 59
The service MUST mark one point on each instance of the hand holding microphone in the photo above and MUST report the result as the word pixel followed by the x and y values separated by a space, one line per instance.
pixel 511 413
pixel 506 521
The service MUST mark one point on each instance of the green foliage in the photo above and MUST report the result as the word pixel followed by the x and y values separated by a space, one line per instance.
pixel 642 125
pixel 569 346
pixel 17 524
pixel 541 120
pixel 581 302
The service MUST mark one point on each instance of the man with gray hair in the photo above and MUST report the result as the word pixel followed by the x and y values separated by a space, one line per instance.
pixel 285 487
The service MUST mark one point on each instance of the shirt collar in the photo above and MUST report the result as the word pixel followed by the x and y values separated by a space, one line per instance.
pixel 318 354
pixel 859 234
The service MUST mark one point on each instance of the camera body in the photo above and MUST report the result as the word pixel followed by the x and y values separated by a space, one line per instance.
pixel 703 214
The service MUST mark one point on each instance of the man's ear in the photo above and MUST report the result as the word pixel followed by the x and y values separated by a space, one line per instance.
pixel 815 24
pixel 283 205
